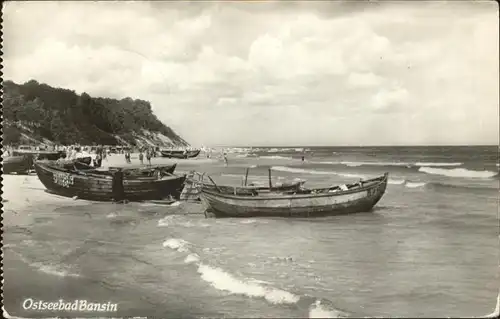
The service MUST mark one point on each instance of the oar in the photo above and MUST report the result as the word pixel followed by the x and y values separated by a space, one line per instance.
pixel 270 183
pixel 246 176
pixel 216 187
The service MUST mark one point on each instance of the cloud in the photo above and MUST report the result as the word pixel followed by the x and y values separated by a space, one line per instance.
pixel 364 80
pixel 272 72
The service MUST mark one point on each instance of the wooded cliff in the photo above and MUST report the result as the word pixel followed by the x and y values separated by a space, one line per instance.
pixel 35 112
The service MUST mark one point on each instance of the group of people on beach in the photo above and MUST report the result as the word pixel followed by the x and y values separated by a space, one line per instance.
pixel 149 154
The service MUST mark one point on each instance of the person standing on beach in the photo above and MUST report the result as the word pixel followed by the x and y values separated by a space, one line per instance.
pixel 148 156
pixel 118 190
pixel 226 163
pixel 98 160
pixel 141 156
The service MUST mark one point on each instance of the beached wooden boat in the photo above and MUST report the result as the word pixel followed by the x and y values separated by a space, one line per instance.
pixel 40 154
pixel 180 153
pixel 94 185
pixel 129 170
pixel 141 170
pixel 343 199
pixel 20 164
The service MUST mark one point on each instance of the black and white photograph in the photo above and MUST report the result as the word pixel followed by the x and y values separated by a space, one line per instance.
pixel 250 159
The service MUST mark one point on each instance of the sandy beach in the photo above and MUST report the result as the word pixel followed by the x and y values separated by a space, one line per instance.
pixel 30 214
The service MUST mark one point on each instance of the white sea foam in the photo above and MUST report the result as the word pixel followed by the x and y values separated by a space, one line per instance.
pixel 318 310
pixel 53 270
pixel 224 281
pixel 396 181
pixel 176 220
pixel 457 172
pixel 301 171
pixel 354 164
pixel 349 175
pixel 176 244
pixel 437 164
pixel 415 184
pixel 315 172
pixel 192 258
pixel 400 164
pixel 276 157
pixel 248 221
pixel 166 221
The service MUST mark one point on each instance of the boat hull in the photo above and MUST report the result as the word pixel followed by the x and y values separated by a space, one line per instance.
pixel 300 205
pixel 180 154
pixel 99 187
pixel 41 155
pixel 17 164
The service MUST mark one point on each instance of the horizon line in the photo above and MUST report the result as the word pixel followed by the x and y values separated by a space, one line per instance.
pixel 386 145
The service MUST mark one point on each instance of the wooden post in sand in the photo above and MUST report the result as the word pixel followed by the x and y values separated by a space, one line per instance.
pixel 270 183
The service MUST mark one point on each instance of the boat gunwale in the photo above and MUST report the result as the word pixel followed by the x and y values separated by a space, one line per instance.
pixel 383 180
pixel 107 178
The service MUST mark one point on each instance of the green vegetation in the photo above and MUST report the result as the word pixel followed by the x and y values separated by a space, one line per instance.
pixel 41 112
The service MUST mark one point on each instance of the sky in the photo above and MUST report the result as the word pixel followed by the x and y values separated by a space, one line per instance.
pixel 273 73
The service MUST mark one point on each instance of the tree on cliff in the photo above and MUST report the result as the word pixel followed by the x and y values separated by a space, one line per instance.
pixel 65 117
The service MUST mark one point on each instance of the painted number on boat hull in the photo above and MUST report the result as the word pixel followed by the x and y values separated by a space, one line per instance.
pixel 63 179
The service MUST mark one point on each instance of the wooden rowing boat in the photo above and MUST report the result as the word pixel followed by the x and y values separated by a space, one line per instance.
pixel 343 199
pixel 19 164
pixel 40 155
pixel 129 170
pixel 94 185
pixel 179 154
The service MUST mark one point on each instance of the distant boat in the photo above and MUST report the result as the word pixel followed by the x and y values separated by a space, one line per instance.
pixel 180 153
pixel 343 199
pixel 98 185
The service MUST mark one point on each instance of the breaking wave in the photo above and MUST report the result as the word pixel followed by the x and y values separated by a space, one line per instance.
pixel 415 184
pixel 50 269
pixel 396 181
pixel 438 185
pixel 458 172
pixel 321 310
pixel 315 172
pixel 222 280
pixel 276 157
pixel 438 164
pixel 406 183
pixel 398 164
pixel 176 220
